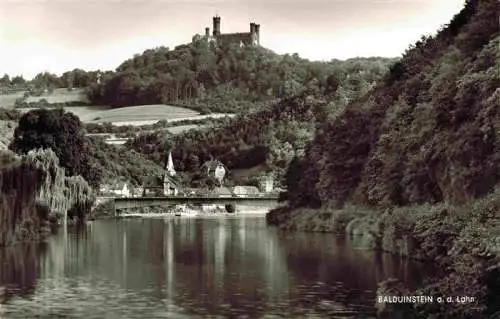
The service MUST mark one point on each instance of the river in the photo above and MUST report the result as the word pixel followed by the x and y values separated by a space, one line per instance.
pixel 193 268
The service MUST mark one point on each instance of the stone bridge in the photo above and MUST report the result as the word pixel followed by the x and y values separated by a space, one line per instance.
pixel 134 202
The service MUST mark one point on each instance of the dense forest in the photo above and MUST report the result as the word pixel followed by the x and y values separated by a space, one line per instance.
pixel 416 161
pixel 227 77
pixel 270 136
pixel 428 133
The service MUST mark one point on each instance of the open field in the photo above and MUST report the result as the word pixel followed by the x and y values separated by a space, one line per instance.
pixel 8 100
pixel 137 115
pixel 62 96
pixel 113 139
pixel 183 128
pixel 141 113
pixel 58 96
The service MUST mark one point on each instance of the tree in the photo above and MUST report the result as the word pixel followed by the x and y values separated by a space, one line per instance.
pixel 5 80
pixel 55 129
pixel 332 84
pixel 18 80
pixel 46 80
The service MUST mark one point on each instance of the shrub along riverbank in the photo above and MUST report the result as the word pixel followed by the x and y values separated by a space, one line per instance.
pixel 35 194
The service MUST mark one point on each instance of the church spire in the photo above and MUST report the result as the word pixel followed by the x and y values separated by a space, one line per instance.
pixel 170 165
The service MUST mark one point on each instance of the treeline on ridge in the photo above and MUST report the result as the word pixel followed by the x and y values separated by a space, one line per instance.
pixel 226 77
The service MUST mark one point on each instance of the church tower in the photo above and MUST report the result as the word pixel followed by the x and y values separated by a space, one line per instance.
pixel 170 165
pixel 169 187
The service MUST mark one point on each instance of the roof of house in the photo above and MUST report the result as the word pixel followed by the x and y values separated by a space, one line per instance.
pixel 221 191
pixel 246 190
pixel 120 185
pixel 211 165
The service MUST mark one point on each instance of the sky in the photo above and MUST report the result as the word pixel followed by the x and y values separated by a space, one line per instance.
pixel 60 35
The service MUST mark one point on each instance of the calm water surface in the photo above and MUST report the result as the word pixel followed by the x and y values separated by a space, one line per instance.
pixel 193 268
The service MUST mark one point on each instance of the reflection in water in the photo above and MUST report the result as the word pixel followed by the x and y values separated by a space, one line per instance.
pixel 154 268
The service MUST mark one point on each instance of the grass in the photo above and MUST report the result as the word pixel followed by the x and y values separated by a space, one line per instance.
pixel 58 96
pixel 61 96
pixel 137 115
pixel 183 128
pixel 133 115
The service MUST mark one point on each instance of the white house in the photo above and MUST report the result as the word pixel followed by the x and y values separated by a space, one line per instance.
pixel 222 192
pixel 122 190
pixel 245 191
pixel 267 184
pixel 138 191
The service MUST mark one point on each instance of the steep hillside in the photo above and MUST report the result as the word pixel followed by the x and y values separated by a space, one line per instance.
pixel 111 164
pixel 272 135
pixel 412 167
pixel 429 133
pixel 271 138
pixel 227 78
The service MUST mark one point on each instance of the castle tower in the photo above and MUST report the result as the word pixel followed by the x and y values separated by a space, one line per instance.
pixel 207 32
pixel 170 165
pixel 256 28
pixel 216 26
pixel 253 35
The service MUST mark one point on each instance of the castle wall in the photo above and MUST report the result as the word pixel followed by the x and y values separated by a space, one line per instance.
pixel 251 38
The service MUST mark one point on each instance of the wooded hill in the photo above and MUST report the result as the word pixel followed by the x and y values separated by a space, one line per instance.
pixel 226 77
pixel 412 168
pixel 430 132
pixel 272 135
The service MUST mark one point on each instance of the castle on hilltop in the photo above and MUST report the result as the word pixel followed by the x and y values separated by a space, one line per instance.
pixel 241 38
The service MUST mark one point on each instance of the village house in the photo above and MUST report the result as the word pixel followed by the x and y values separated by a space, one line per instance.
pixel 221 192
pixel 122 189
pixel 215 169
pixel 246 191
pixel 104 189
pixel 137 191
pixel 266 184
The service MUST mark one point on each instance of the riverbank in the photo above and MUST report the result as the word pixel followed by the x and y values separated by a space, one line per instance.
pixel 35 194
pixel 103 209
pixel 464 240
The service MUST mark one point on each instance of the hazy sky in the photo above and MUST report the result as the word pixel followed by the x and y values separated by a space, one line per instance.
pixel 59 35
